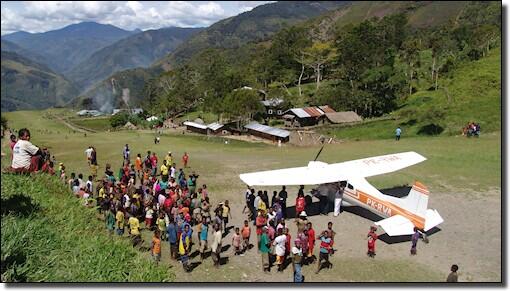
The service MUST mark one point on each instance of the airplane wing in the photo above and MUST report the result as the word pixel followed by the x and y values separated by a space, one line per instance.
pixel 378 165
pixel 320 173
pixel 396 225
pixel 315 173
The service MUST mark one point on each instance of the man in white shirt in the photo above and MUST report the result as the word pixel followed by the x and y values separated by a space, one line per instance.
pixel 23 152
pixel 88 152
pixel 216 245
pixel 279 243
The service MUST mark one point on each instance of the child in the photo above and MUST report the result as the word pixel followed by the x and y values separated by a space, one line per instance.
pixel 236 242
pixel 246 235
pixel 120 221
pixel 148 217
pixel 225 214
pixel 372 237
pixel 161 224
pixel 156 246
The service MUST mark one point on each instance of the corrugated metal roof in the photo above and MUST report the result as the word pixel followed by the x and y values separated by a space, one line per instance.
pixel 327 109
pixel 313 111
pixel 194 124
pixel 272 102
pixel 299 112
pixel 267 129
pixel 215 126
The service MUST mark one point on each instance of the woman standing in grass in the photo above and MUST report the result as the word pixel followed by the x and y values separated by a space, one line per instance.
pixel 110 220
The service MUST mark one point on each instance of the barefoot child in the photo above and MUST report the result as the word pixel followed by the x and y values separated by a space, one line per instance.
pixel 236 242
pixel 156 246
pixel 246 231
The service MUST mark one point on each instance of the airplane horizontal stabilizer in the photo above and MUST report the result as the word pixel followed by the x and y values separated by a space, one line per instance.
pixel 432 219
pixel 396 225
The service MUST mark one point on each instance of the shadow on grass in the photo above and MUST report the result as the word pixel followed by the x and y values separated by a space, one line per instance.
pixel 19 205
pixel 9 267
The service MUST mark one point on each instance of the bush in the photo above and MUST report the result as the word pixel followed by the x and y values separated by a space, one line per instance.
pixel 119 119
pixel 275 122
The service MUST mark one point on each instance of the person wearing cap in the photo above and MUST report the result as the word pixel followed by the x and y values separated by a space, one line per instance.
pixel 372 237
pixel 297 259
pixel 264 248
pixel 301 221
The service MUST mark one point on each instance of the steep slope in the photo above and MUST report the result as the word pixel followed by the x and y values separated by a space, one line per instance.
pixel 67 47
pixel 12 47
pixel 30 85
pixel 138 50
pixel 420 14
pixel 255 25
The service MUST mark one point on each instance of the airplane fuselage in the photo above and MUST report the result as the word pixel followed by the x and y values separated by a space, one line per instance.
pixel 379 206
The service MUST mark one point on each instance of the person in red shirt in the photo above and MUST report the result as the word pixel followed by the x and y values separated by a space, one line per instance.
pixel 154 164
pixel 300 203
pixel 372 237
pixel 260 222
pixel 311 240
pixel 185 159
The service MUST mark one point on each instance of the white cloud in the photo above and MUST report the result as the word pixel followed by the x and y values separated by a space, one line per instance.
pixel 35 16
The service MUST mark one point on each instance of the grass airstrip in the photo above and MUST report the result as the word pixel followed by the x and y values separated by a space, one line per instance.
pixel 464 168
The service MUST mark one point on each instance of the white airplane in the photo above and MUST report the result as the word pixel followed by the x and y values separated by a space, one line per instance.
pixel 401 214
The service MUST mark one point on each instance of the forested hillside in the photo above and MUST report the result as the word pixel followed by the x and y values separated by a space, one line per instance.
pixel 367 64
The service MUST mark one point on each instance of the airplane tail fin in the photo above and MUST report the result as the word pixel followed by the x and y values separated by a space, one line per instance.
pixel 417 200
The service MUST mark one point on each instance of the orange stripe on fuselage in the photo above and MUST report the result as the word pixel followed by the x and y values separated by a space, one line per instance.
pixel 387 208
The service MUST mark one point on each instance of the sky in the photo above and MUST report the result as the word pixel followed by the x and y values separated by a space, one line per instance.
pixel 39 16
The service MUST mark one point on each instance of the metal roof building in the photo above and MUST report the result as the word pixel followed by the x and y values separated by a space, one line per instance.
pixel 267 132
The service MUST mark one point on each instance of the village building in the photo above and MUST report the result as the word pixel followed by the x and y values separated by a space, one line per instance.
pixel 196 127
pixel 345 117
pixel 273 107
pixel 307 116
pixel 85 112
pixel 130 111
pixel 267 132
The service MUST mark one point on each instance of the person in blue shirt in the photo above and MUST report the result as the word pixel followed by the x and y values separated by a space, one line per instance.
pixel 398 131
pixel 204 228
pixel 171 229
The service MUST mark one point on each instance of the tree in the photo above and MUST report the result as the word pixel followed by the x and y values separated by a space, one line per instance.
pixel 316 57
pixel 411 55
pixel 241 104
pixel 119 119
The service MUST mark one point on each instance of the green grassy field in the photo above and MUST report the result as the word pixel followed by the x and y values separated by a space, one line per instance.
pixel 97 124
pixel 48 236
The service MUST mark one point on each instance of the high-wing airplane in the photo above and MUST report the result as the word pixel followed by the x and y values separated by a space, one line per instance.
pixel 400 215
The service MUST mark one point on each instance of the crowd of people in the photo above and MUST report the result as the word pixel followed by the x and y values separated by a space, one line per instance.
pixel 162 199
pixel 471 129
